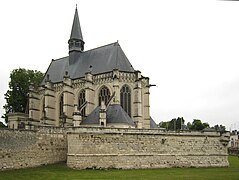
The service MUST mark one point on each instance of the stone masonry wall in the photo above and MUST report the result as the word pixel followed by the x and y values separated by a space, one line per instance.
pixel 28 148
pixel 131 148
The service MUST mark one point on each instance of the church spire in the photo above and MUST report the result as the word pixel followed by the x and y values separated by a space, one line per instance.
pixel 76 42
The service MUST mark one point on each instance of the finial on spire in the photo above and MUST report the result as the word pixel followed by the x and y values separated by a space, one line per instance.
pixel 76 5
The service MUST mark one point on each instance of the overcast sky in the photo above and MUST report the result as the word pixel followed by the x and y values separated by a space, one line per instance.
pixel 189 49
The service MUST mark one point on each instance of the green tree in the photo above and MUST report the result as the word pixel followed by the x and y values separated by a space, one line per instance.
pixel 220 128
pixel 17 95
pixel 180 123
pixel 197 125
pixel 2 125
pixel 174 124
pixel 164 124
pixel 189 125
pixel 206 125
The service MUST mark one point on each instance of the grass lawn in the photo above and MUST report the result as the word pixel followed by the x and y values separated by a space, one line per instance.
pixel 61 171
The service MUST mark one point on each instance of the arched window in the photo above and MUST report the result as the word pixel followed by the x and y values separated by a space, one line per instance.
pixel 125 99
pixel 104 95
pixel 61 105
pixel 81 101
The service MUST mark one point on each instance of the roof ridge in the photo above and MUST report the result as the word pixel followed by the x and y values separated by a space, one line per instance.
pixel 116 58
pixel 59 58
pixel 102 46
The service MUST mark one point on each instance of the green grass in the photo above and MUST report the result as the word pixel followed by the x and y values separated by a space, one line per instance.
pixel 61 171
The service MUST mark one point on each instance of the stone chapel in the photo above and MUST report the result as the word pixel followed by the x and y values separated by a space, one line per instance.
pixel 101 105
pixel 97 87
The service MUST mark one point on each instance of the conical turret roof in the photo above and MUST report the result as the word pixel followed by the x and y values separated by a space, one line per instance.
pixel 76 28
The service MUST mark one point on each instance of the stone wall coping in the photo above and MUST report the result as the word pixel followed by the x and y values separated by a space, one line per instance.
pixel 51 130
pixel 100 130
pixel 108 130
pixel 147 133
pixel 18 130
pixel 145 154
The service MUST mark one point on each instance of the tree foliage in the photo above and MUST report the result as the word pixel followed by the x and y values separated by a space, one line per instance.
pixel 220 128
pixel 164 124
pixel 2 125
pixel 196 125
pixel 174 124
pixel 17 95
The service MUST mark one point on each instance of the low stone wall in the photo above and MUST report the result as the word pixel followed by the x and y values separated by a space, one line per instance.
pixel 29 148
pixel 111 148
pixel 101 148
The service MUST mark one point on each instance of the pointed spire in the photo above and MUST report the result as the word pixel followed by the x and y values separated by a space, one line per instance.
pixel 76 42
pixel 76 28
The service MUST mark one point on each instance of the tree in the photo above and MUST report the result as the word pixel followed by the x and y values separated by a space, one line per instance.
pixel 189 125
pixel 206 125
pixel 174 124
pixel 197 125
pixel 220 128
pixel 2 125
pixel 177 124
pixel 17 95
pixel 163 124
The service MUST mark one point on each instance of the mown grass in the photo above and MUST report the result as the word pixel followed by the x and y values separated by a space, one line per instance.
pixel 61 171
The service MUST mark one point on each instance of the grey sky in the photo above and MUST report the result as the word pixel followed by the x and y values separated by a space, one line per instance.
pixel 189 49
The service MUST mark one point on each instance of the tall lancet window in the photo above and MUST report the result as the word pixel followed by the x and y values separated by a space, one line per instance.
pixel 125 99
pixel 61 105
pixel 81 101
pixel 104 95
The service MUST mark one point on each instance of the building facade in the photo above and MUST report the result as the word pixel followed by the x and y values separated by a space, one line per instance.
pixel 234 139
pixel 98 87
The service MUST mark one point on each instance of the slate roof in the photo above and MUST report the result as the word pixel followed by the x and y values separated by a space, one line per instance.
pixel 102 59
pixel 76 28
pixel 153 125
pixel 115 114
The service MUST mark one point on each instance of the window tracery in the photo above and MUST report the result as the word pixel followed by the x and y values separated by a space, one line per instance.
pixel 81 101
pixel 104 95
pixel 125 99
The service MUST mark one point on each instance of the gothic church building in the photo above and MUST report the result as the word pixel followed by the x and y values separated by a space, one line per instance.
pixel 98 87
